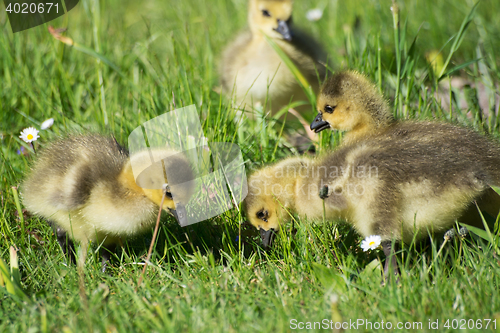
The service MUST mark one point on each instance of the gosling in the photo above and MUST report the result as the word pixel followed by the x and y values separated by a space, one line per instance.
pixel 394 187
pixel 349 102
pixel 275 192
pixel 253 71
pixel 85 185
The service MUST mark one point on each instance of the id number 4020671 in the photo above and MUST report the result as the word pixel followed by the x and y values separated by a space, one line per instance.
pixel 32 8
pixel 463 324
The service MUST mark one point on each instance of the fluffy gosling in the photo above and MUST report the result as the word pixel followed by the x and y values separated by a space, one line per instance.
pixel 391 186
pixel 85 185
pixel 253 70
pixel 349 102
pixel 274 192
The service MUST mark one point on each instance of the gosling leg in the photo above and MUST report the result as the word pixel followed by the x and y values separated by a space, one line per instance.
pixel 106 253
pixel 391 264
pixel 67 245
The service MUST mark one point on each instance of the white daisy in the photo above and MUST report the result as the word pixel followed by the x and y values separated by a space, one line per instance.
pixel 371 242
pixel 47 123
pixel 29 134
pixel 314 14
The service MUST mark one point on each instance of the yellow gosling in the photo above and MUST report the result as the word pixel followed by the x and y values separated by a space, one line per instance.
pixel 85 186
pixel 253 71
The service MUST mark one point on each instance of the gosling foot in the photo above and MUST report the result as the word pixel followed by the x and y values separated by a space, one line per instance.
pixel 67 245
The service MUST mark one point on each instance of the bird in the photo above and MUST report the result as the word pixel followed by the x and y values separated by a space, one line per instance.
pixel 393 186
pixel 252 70
pixel 91 190
pixel 350 102
pixel 274 192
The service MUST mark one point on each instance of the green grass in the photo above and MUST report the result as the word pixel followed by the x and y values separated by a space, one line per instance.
pixel 154 55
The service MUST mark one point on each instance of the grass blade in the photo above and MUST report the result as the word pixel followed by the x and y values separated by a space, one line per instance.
pixel 459 37
pixel 459 67
pixel 11 281
pixel 56 33
pixel 295 71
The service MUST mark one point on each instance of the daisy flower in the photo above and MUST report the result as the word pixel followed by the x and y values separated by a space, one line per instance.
pixel 29 134
pixel 371 243
pixel 47 123
pixel 314 14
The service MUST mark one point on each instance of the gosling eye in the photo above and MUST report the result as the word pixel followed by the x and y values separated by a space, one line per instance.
pixel 262 215
pixel 329 108
pixel 266 13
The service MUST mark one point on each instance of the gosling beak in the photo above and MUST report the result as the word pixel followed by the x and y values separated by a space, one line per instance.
pixel 267 237
pixel 319 124
pixel 179 213
pixel 284 30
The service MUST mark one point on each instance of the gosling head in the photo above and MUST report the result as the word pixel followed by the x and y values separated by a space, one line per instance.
pixel 263 208
pixel 271 17
pixel 348 101
pixel 149 170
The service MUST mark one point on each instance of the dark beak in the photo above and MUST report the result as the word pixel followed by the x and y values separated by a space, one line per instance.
pixel 319 124
pixel 180 214
pixel 267 237
pixel 284 30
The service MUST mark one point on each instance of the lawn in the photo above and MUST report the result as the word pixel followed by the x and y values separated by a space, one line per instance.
pixel 135 60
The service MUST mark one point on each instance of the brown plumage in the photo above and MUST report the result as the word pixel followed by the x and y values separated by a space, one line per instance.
pixel 85 185
pixel 395 186
pixel 349 102
pixel 254 71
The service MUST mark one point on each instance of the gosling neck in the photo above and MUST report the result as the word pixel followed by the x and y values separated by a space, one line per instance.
pixel 283 179
pixel 126 178
pixel 298 183
pixel 361 130
pixel 369 128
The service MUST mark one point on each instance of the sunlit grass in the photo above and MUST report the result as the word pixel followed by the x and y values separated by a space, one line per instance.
pixel 136 60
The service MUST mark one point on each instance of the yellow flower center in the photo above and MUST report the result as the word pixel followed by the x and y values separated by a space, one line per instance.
pixel 371 243
pixel 30 136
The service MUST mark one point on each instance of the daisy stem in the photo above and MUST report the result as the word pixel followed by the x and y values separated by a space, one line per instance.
pixel 437 255
pixel 33 146
pixel 381 266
